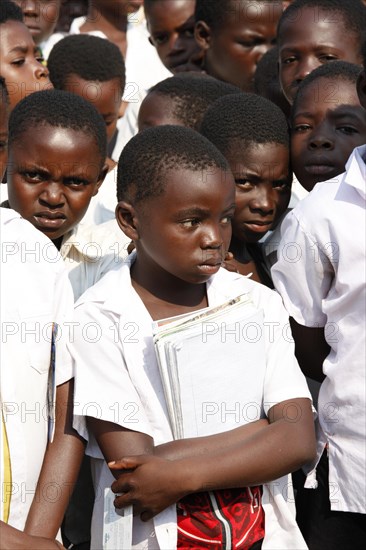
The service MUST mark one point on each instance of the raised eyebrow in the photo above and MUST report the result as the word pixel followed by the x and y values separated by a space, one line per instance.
pixel 20 49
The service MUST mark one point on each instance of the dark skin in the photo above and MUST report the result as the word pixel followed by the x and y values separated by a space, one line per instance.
pixel 13 539
pixel 169 281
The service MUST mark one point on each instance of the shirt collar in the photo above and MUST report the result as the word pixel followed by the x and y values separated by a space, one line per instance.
pixel 356 170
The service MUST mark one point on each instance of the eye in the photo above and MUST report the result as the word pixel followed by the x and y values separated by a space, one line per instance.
pixel 18 62
pixel 190 223
pixel 282 185
pixel 348 130
pixel 327 57
pixel 243 183
pixel 3 145
pixel 75 182
pixel 227 219
pixel 300 128
pixel 188 33
pixel 288 60
pixel 160 39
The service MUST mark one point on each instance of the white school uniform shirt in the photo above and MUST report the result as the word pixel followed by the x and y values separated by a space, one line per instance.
pixel 102 206
pixel 89 252
pixel 117 380
pixel 35 292
pixel 321 278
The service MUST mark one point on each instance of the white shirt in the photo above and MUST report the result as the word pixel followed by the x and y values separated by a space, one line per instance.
pixel 89 252
pixel 35 292
pixel 103 205
pixel 118 381
pixel 321 278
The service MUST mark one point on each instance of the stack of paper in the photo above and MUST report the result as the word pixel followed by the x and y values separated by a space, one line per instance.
pixel 210 361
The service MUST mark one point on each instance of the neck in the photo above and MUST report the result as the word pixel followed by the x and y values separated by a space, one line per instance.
pixel 153 284
pixel 239 250
pixel 106 20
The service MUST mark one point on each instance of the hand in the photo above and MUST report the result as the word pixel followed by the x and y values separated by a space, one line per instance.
pixel 230 263
pixel 13 539
pixel 148 482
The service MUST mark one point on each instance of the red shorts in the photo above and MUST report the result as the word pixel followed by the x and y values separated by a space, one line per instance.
pixel 231 518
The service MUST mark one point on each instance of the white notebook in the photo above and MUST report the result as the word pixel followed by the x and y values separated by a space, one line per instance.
pixel 207 361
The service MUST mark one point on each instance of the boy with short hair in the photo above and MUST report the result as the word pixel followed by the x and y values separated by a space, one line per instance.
pixel 41 17
pixel 313 32
pixel 54 173
pixel 252 134
pixel 181 100
pixel 20 62
pixel 171 28
pixel 320 275
pixel 324 132
pixel 177 197
pixel 78 64
pixel 234 35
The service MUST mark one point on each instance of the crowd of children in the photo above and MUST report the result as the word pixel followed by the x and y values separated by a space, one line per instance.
pixel 160 158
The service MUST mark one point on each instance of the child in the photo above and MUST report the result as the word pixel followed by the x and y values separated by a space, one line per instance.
pixel 171 28
pixel 313 32
pixel 326 130
pixel 321 277
pixel 267 82
pixel 181 100
pixel 20 63
pixel 78 64
pixel 54 173
pixel 252 134
pixel 177 197
pixel 41 17
pixel 234 35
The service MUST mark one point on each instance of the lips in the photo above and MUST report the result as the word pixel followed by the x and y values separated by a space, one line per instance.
pixel 50 220
pixel 259 226
pixel 211 265
pixel 319 169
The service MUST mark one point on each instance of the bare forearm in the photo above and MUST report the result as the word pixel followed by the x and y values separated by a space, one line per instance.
pixel 200 446
pixel 13 539
pixel 59 471
pixel 280 448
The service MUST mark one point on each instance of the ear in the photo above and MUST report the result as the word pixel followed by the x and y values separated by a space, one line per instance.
pixel 361 88
pixel 202 34
pixel 101 177
pixel 126 217
pixel 151 41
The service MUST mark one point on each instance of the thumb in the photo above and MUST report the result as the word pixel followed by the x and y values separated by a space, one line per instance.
pixel 125 463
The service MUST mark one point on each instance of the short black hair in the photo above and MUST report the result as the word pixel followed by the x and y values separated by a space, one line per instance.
pixel 216 12
pixel 353 13
pixel 149 156
pixel 10 12
pixel 192 94
pixel 244 120
pixel 341 70
pixel 58 109
pixel 89 57
pixel 267 80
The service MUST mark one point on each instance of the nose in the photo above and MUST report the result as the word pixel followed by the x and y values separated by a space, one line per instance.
pixel 321 140
pixel 212 237
pixel 176 44
pixel 263 201
pixel 305 67
pixel 30 8
pixel 40 71
pixel 52 195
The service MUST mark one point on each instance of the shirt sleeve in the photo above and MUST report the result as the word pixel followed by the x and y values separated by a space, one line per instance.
pixel 103 387
pixel 303 273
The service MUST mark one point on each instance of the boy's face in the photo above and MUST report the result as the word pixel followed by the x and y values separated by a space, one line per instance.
pixel 171 27
pixel 118 7
pixel 233 50
pixel 20 64
pixel 263 188
pixel 105 96
pixel 52 175
pixel 40 16
pixel 3 134
pixel 316 37
pixel 185 232
pixel 156 110
pixel 327 124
